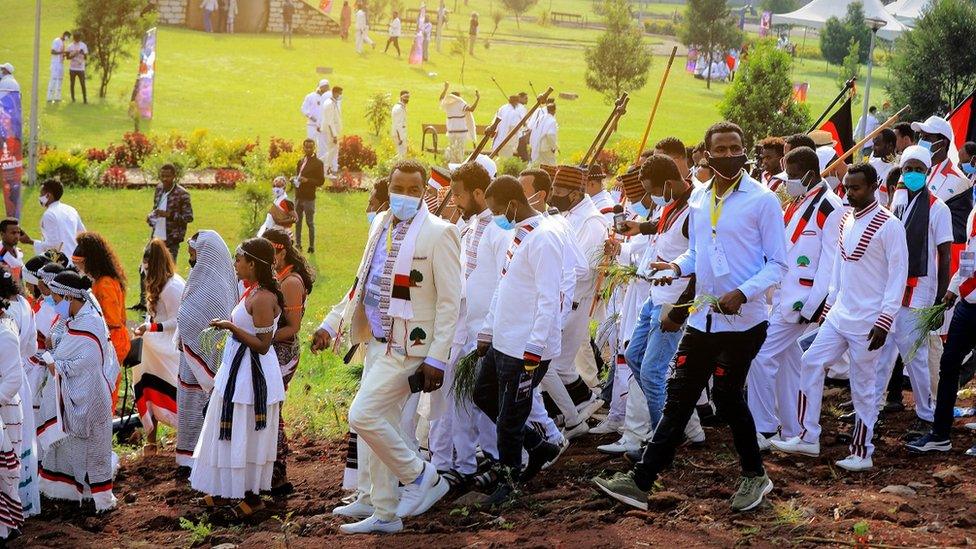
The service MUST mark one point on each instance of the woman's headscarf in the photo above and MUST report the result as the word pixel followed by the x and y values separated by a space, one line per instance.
pixel 211 290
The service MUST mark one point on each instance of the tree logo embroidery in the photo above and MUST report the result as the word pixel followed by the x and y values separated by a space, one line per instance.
pixel 417 336
pixel 803 261
pixel 798 306
pixel 415 279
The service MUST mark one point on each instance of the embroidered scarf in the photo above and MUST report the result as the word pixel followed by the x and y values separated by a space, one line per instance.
pixel 395 281
pixel 915 216
pixel 812 206
pixel 260 387
pixel 474 231
pixel 879 216
pixel 520 234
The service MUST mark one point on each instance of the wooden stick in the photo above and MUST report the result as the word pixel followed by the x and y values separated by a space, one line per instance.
pixel 540 100
pixel 586 158
pixel 618 113
pixel 489 133
pixel 857 146
pixel 660 91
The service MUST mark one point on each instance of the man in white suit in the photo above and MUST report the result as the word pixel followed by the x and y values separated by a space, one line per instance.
pixel 403 306
pixel 399 129
pixel 331 128
pixel 312 110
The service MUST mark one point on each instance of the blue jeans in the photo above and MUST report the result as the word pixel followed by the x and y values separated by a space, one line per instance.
pixel 649 354
pixel 207 25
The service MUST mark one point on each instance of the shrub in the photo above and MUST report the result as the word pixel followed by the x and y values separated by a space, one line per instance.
pixel 386 157
pixel 511 165
pixel 95 154
pixel 354 155
pixel 197 147
pixel 257 166
pixel 114 177
pixel 71 170
pixel 663 28
pixel 173 141
pixel 252 200
pixel 378 108
pixel 284 165
pixel 228 177
pixel 134 148
pixel 279 145
pixel 179 159
pixel 226 153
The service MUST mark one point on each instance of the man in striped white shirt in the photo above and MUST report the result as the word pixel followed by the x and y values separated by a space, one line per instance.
pixel 865 294
pixel 521 334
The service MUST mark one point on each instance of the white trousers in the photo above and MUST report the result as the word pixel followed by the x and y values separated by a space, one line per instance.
pixel 312 132
pixel 329 154
pixel 575 333
pixel 621 390
pixel 454 435
pixel 375 415
pixel 585 361
pixel 827 348
pixel 900 341
pixel 774 378
pixel 401 148
pixel 935 357
pixel 637 419
pixel 54 86
pixel 539 417
pixel 454 152
pixel 361 37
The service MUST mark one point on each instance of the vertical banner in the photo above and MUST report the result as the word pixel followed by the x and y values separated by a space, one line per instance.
pixel 765 23
pixel 142 93
pixel 800 91
pixel 11 150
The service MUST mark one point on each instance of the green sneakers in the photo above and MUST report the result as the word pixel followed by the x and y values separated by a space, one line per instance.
pixel 622 487
pixel 751 492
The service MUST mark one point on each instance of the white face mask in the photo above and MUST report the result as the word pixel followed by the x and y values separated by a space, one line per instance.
pixel 277 192
pixel 794 187
pixel 832 182
pixel 43 199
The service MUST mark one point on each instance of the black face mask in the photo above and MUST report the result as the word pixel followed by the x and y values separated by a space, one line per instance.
pixel 727 166
pixel 562 202
pixel 193 263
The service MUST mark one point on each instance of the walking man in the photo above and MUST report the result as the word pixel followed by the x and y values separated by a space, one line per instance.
pixel 312 110
pixel 396 29
pixel 403 307
pixel 362 30
pixel 309 175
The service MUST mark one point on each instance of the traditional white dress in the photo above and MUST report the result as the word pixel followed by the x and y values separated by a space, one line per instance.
pixel 11 378
pixel 245 462
pixel 155 379
pixel 23 316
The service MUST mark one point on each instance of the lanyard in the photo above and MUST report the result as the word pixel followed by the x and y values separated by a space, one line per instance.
pixel 716 204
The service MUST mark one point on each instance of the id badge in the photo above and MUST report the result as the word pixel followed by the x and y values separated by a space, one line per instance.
pixel 716 254
pixel 967 263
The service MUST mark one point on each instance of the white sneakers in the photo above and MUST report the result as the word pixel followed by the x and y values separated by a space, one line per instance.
pixel 356 509
pixel 587 408
pixel 764 443
pixel 417 498
pixel 372 525
pixel 855 463
pixel 796 446
pixel 577 430
pixel 606 427
pixel 562 449
pixel 622 446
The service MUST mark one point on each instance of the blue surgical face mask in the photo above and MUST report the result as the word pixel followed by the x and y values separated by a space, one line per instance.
pixel 913 180
pixel 62 308
pixel 640 209
pixel 927 145
pixel 370 216
pixel 968 169
pixel 503 221
pixel 659 201
pixel 403 206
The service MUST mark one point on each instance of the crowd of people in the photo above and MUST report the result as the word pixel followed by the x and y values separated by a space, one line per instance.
pixel 724 289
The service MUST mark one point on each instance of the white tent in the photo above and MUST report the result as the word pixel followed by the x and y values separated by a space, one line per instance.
pixel 815 14
pixel 908 11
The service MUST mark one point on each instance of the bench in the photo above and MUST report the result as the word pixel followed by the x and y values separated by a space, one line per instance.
pixel 565 17
pixel 436 129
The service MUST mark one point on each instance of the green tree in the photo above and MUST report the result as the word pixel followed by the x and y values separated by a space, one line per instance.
pixel 851 66
pixel 760 100
pixel 109 27
pixel 518 8
pixel 378 108
pixel 778 6
pixel 836 36
pixel 620 60
pixel 711 28
pixel 930 74
pixel 459 48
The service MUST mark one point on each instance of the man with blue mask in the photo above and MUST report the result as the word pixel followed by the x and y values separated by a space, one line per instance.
pixel 943 180
pixel 967 159
pixel 812 221
pixel 403 307
pixel 379 199
pixel 928 233
pixel 520 335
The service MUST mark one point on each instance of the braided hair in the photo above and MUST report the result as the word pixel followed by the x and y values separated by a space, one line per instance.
pixel 293 256
pixel 260 252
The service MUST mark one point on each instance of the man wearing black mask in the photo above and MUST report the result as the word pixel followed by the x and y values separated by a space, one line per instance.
pixel 736 251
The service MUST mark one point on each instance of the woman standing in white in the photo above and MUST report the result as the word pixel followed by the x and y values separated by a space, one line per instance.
pixel 11 374
pixel 154 379
pixel 235 454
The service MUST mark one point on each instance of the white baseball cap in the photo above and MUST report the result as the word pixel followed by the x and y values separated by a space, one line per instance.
pixel 7 67
pixel 936 125
pixel 487 163
pixel 323 83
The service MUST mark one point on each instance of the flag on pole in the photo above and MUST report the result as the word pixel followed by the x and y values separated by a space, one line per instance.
pixel 11 150
pixel 840 126
pixel 142 92
pixel 963 121
pixel 800 90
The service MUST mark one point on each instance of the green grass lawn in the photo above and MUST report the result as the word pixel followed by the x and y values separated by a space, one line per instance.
pixel 248 85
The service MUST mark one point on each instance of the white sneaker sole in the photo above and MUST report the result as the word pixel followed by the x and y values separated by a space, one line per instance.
pixel 589 408
pixel 642 505
pixel 766 490
pixel 605 430
pixel 857 469
pixel 615 450
pixel 436 492
pixel 359 516
pixel 382 530
pixel 926 449
pixel 795 451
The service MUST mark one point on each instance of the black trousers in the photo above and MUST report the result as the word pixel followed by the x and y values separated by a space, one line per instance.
pixel 80 75
pixel 503 391
pixel 960 342
pixel 396 44
pixel 701 355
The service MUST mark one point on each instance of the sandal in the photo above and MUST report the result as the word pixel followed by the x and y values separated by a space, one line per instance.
pixel 149 449
pixel 245 510
pixel 210 501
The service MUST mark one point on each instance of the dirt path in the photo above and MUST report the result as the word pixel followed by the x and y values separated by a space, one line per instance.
pixel 812 499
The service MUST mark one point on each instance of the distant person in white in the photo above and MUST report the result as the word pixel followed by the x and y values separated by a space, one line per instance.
pixel 77 54
pixel 544 137
pixel 60 223
pixel 331 129
pixel 872 123
pixel 394 33
pixel 399 130
pixel 312 110
pixel 362 30
pixel 509 117
pixel 7 81
pixel 57 67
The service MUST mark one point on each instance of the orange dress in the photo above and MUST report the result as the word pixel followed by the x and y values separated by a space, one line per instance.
pixel 111 297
